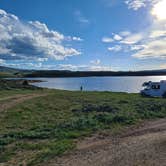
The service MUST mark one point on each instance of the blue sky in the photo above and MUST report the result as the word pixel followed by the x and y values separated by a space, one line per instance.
pixel 83 35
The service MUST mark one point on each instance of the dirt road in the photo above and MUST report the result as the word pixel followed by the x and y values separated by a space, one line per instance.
pixel 9 102
pixel 140 146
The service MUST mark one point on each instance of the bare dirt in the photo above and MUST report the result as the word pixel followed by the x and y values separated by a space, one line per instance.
pixel 144 145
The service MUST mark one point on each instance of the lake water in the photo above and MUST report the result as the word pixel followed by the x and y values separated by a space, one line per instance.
pixel 115 84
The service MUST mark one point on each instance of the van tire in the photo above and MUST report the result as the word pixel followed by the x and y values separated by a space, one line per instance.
pixel 164 95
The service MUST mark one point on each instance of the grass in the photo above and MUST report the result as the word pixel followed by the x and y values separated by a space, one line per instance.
pixel 6 75
pixel 6 84
pixel 45 127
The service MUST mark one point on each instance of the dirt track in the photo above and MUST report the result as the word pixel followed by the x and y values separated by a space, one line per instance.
pixel 141 146
pixel 9 102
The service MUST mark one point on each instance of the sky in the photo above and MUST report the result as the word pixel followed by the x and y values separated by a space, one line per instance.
pixel 82 35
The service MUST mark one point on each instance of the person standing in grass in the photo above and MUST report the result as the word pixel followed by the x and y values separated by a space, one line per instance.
pixel 81 88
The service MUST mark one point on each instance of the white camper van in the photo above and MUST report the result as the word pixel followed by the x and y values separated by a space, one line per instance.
pixel 154 89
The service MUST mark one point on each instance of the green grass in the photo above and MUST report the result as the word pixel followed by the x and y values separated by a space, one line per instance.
pixel 6 75
pixel 9 93
pixel 46 127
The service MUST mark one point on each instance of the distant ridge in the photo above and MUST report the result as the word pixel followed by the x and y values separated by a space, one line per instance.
pixel 68 73
pixel 7 69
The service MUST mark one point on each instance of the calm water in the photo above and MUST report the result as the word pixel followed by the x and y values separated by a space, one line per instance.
pixel 115 84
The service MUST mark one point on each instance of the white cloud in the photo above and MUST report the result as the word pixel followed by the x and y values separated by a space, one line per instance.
pixel 136 47
pixel 95 62
pixel 40 66
pixel 154 38
pixel 125 33
pixel 77 39
pixel 116 48
pixel 163 66
pixel 117 37
pixel 137 4
pixel 69 67
pixel 84 67
pixel 133 38
pixel 2 12
pixel 31 40
pixel 158 10
pixel 157 33
pixel 152 49
pixel 100 68
pixel 125 40
pixel 42 59
pixel 2 61
pixel 107 40
pixel 70 38
pixel 27 65
pixel 143 45
pixel 148 43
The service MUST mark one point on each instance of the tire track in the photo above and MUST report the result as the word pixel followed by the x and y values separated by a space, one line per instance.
pixel 14 100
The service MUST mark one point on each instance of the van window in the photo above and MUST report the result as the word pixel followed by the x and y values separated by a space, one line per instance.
pixel 155 86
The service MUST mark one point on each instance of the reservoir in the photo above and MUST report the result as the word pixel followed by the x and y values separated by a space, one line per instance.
pixel 115 84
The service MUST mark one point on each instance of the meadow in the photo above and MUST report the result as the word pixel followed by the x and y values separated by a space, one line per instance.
pixel 37 129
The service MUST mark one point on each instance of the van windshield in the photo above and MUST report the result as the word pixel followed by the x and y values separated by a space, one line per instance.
pixel 155 86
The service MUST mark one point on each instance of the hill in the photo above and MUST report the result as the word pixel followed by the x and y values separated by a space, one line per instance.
pixel 12 72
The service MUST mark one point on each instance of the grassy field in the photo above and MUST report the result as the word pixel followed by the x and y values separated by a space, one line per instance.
pixel 6 74
pixel 38 129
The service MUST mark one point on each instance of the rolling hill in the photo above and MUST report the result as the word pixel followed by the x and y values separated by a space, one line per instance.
pixel 12 72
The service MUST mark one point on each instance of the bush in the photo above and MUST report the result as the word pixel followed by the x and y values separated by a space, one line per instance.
pixel 96 108
pixel 25 83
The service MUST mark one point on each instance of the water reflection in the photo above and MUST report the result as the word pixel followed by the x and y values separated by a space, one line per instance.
pixel 115 84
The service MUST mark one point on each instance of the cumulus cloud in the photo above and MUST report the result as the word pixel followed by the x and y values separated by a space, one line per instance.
pixel 31 40
pixel 152 49
pixel 124 37
pixel 158 10
pixel 125 33
pixel 132 38
pixel 70 38
pixel 143 45
pixel 136 47
pixel 2 61
pixel 157 33
pixel 77 39
pixel 112 39
pixel 116 48
pixel 117 37
pixel 154 39
pixel 149 43
pixel 124 40
pixel 107 40
pixel 137 4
